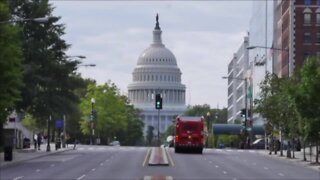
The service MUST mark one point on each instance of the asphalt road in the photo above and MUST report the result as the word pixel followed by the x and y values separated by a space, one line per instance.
pixel 105 162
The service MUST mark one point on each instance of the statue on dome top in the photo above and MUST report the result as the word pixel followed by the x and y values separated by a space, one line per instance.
pixel 157 22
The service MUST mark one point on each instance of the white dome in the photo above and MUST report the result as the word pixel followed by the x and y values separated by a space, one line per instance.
pixel 157 55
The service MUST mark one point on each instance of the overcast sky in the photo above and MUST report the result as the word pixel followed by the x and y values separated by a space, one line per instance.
pixel 202 35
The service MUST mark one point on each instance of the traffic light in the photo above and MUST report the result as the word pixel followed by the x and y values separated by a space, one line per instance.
pixel 243 113
pixel 158 101
pixel 93 115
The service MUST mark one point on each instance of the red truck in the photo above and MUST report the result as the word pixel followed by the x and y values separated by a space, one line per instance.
pixel 190 134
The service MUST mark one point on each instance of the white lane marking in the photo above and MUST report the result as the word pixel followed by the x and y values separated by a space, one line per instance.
pixel 229 150
pixel 280 174
pixel 52 165
pixel 265 168
pixel 219 150
pixel 90 148
pixel 234 178
pixel 16 178
pixel 216 166
pixel 101 164
pixel 38 170
pixel 210 161
pixel 254 163
pixel 81 177
pixel 240 150
pixel 252 151
pixel 205 159
pixel 224 172
pixel 93 169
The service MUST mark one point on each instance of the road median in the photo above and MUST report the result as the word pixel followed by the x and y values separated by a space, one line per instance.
pixel 158 157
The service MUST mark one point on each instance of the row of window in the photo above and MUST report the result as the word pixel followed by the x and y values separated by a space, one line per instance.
pixel 307 55
pixel 157 60
pixel 309 2
pixel 308 37
pixel 148 77
pixel 307 17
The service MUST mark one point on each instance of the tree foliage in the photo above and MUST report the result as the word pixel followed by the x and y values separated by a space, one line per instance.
pixel 49 76
pixel 10 63
pixel 308 99
pixel 115 117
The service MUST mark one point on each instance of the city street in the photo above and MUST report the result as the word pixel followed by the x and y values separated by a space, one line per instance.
pixel 109 162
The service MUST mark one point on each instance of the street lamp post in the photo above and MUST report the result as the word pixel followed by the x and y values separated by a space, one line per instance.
pixel 93 101
pixel 283 50
pixel 48 135
pixel 208 127
pixel 248 140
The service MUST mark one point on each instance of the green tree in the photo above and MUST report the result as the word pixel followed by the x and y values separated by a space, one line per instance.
pixel 308 100
pixel 115 115
pixel 50 77
pixel 10 65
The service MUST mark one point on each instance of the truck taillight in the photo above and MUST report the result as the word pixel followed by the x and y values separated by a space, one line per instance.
pixel 177 138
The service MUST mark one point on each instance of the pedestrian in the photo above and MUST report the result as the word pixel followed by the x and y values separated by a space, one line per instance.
pixel 74 143
pixel 35 140
pixel 39 139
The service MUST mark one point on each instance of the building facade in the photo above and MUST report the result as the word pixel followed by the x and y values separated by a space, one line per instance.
pixel 261 32
pixel 237 72
pixel 297 30
pixel 157 72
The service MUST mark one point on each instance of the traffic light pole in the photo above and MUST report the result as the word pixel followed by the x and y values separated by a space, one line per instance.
pixel 158 105
pixel 247 133
pixel 159 127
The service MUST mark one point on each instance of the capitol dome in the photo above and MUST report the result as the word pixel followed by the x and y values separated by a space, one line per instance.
pixel 156 54
pixel 157 72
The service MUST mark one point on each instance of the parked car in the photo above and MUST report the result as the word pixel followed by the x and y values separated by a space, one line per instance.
pixel 258 144
pixel 114 143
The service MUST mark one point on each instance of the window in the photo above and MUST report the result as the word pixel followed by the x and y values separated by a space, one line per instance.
pixel 318 2
pixel 307 2
pixel 307 18
pixel 306 56
pixel 307 38
pixel 318 18
pixel 318 38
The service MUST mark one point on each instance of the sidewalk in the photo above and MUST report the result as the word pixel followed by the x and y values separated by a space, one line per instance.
pixel 297 160
pixel 20 155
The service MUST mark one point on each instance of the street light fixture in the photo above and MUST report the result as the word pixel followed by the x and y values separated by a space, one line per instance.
pixel 77 56
pixel 38 20
pixel 87 65
pixel 273 48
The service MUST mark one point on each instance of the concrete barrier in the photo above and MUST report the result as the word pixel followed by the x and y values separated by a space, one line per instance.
pixel 158 157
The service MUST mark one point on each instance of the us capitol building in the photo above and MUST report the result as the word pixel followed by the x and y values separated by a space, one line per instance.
pixel 157 73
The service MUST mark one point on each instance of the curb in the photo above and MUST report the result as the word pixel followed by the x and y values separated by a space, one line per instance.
pixel 296 160
pixel 10 163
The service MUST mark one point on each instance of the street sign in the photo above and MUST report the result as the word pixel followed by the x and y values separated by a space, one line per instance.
pixel 59 124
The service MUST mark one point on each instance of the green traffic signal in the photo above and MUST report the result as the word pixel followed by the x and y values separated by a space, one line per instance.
pixel 158 101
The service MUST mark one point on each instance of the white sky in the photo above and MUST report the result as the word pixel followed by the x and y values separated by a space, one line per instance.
pixel 202 35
